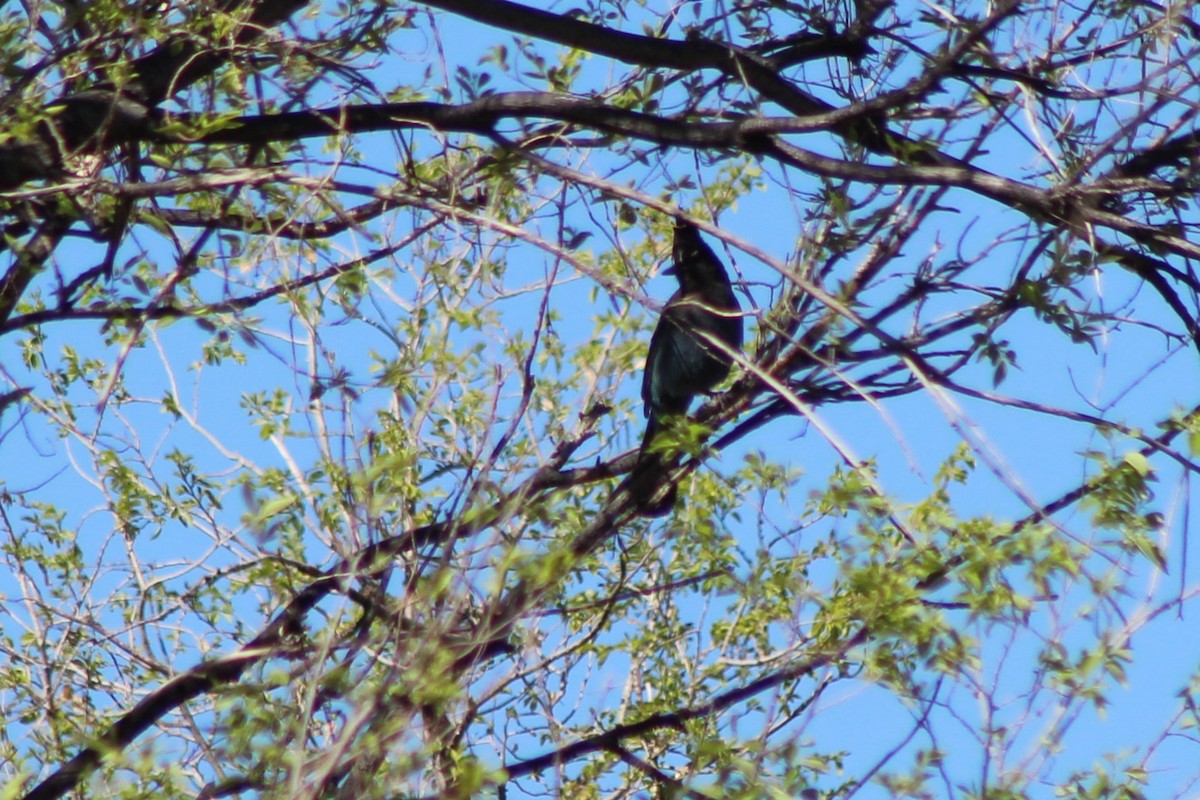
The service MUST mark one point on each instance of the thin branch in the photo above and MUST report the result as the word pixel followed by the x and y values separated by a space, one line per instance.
pixel 675 720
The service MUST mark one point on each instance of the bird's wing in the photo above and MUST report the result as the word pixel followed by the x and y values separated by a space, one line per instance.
pixel 671 351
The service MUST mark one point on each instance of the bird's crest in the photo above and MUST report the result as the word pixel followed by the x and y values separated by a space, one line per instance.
pixel 687 244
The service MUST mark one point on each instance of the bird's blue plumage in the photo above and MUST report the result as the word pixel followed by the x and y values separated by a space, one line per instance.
pixel 684 358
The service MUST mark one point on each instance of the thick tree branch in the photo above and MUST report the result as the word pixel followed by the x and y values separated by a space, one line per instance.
pixel 99 118
pixel 485 114
pixel 28 263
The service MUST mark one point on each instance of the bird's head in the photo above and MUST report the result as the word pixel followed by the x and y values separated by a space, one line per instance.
pixel 687 246
pixel 693 261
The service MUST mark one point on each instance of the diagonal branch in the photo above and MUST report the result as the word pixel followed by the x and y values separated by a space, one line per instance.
pixel 29 261
pixel 675 720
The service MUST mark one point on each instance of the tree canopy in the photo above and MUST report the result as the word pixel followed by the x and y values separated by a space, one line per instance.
pixel 322 329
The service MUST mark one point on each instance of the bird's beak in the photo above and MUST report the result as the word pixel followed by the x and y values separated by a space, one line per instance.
pixel 671 270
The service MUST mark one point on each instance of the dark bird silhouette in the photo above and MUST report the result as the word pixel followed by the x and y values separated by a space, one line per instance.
pixel 684 359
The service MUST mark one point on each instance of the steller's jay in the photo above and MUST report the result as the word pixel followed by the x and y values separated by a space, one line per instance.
pixel 684 360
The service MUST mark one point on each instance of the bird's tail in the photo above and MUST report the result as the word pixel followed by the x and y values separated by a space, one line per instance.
pixel 652 428
pixel 656 501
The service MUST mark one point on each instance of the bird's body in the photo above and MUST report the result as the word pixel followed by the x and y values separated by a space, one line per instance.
pixel 700 327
